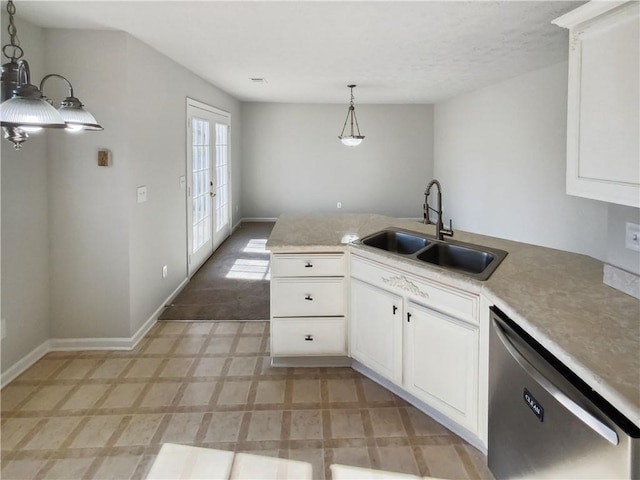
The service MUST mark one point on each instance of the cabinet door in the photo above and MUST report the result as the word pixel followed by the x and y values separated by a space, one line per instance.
pixel 376 329
pixel 603 116
pixel 441 363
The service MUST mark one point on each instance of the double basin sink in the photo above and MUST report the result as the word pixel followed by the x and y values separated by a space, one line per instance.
pixel 469 259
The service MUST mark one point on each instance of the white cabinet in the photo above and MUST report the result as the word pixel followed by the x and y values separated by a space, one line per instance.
pixel 603 128
pixel 376 329
pixel 441 363
pixel 420 334
pixel 308 305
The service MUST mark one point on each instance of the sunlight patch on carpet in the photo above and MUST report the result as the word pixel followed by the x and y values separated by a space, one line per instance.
pixel 250 269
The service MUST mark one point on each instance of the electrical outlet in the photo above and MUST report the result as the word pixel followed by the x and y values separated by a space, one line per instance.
pixel 141 194
pixel 165 271
pixel 339 205
pixel 632 236
pixel 3 329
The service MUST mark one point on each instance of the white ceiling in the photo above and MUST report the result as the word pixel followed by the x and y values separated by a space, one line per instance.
pixel 397 52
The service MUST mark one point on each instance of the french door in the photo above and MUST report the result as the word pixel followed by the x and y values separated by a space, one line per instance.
pixel 208 182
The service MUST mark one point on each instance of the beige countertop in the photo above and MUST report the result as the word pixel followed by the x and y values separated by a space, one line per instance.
pixel 558 297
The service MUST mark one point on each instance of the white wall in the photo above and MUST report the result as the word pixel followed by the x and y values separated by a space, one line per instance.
pixel 294 162
pixel 25 250
pixel 500 154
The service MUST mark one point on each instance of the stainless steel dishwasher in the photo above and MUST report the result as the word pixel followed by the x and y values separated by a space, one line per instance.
pixel 544 421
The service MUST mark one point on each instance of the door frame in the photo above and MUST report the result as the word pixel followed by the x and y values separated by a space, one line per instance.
pixel 193 103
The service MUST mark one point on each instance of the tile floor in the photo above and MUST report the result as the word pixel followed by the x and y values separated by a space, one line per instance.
pixel 105 414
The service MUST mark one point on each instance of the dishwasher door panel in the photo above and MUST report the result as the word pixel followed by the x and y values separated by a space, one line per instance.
pixel 532 433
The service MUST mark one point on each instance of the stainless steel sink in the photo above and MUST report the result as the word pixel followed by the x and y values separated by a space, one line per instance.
pixel 457 257
pixel 396 241
pixel 473 260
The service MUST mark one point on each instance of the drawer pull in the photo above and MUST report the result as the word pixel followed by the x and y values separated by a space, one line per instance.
pixel 308 338
pixel 308 265
pixel 395 309
pixel 308 297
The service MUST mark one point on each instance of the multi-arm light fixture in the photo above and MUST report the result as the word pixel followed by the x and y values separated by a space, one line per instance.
pixel 24 107
pixel 352 139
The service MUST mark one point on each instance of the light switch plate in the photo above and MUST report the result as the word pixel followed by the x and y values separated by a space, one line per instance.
pixel 632 236
pixel 141 193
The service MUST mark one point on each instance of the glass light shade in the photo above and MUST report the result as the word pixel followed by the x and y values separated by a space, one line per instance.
pixel 77 118
pixel 29 112
pixel 351 141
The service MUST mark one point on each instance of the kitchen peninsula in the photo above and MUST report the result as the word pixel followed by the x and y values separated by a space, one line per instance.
pixel 556 296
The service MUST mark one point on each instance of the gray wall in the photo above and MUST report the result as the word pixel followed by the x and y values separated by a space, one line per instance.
pixel 89 221
pixel 107 251
pixel 294 162
pixel 157 153
pixel 25 247
pixel 500 153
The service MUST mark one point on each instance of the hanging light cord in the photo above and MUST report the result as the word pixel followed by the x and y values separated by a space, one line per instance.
pixel 351 113
pixel 16 50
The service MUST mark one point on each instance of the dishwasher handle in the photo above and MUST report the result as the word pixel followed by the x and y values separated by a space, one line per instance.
pixel 599 427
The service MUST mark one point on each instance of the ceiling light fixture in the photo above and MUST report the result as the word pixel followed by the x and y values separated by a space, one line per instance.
pixel 24 108
pixel 352 139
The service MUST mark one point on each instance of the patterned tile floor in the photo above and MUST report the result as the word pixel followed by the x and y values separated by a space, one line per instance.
pixel 105 414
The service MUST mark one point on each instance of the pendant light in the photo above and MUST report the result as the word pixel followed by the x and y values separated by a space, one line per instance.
pixel 351 139
pixel 24 107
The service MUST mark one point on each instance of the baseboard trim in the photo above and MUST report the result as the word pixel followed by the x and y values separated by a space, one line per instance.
pixel 15 370
pixel 74 344
pixel 253 219
pixel 258 219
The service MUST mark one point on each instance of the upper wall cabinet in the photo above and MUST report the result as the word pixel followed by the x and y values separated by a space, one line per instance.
pixel 603 131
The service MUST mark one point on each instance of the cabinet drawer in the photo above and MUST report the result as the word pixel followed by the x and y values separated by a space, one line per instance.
pixel 299 297
pixel 308 336
pixel 441 297
pixel 312 265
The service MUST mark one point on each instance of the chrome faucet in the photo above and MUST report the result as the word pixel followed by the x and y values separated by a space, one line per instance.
pixel 441 231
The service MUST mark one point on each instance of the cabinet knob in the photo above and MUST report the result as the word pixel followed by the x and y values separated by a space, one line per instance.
pixel 308 297
pixel 308 265
pixel 308 338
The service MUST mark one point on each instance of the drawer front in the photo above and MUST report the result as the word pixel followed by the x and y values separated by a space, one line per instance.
pixel 308 336
pixel 299 297
pixel 441 297
pixel 311 265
